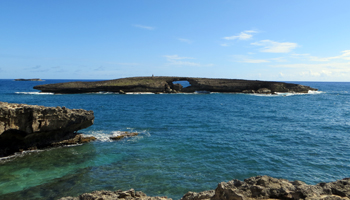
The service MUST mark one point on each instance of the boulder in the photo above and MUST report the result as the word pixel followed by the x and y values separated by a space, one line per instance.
pixel 24 127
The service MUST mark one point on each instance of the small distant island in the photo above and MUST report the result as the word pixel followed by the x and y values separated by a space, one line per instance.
pixel 164 84
pixel 31 79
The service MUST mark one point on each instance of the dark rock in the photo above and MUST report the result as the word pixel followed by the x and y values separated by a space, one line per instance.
pixel 177 87
pixel 263 91
pixel 24 127
pixel 165 84
pixel 123 135
pixel 78 139
pixel 32 79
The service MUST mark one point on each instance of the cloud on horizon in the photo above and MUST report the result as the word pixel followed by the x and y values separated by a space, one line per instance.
pixel 270 46
pixel 345 56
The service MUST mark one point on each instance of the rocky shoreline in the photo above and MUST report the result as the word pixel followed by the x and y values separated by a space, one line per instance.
pixel 169 85
pixel 259 187
pixel 30 127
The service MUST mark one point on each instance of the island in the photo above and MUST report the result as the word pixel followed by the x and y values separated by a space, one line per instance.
pixel 164 84
pixel 32 79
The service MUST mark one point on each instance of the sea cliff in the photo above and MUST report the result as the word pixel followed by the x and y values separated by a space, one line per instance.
pixel 169 85
pixel 28 127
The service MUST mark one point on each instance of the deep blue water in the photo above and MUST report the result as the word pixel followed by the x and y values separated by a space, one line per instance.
pixel 187 142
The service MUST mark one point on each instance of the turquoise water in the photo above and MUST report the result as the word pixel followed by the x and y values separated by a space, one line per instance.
pixel 186 142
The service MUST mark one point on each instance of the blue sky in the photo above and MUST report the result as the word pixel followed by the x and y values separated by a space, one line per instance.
pixel 301 40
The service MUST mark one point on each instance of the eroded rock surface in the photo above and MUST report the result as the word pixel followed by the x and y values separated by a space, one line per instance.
pixel 115 195
pixel 123 135
pixel 259 187
pixel 265 187
pixel 25 127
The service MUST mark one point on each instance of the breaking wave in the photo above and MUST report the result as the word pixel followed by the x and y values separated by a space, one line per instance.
pixel 104 136
pixel 35 93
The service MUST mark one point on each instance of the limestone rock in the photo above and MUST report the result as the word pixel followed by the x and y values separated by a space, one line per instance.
pixel 123 135
pixel 30 126
pixel 115 195
pixel 259 187
pixel 265 187
pixel 165 84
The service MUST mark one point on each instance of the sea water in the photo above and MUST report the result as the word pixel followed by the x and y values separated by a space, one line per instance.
pixel 186 142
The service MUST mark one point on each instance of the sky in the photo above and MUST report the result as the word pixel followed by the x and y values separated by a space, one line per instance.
pixel 276 40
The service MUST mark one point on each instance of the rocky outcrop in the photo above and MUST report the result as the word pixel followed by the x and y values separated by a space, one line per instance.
pixel 259 187
pixel 25 127
pixel 265 187
pixel 123 135
pixel 166 85
pixel 117 195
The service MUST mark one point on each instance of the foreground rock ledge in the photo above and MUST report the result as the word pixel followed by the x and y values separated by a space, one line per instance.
pixel 166 85
pixel 28 127
pixel 259 187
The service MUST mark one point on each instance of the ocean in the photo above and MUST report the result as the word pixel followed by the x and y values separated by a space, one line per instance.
pixel 186 142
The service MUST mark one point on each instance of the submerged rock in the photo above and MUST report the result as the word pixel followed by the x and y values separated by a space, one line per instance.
pixel 259 187
pixel 24 127
pixel 123 135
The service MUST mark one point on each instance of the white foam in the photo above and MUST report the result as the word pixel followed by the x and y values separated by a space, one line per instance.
pixel 315 92
pixel 103 136
pixel 104 93
pixel 139 93
pixel 35 93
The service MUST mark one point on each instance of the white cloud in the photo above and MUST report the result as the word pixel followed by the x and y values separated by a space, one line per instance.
pixel 185 40
pixel 176 57
pixel 248 59
pixel 275 47
pixel 245 35
pixel 144 27
pixel 330 71
pixel 254 61
pixel 344 56
pixel 224 45
pixel 177 60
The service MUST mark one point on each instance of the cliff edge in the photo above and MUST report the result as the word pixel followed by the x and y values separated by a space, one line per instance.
pixel 24 127
pixel 169 85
